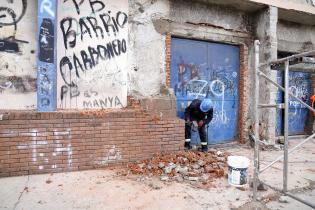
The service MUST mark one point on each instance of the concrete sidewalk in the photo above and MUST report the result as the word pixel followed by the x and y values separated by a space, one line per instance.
pixel 104 189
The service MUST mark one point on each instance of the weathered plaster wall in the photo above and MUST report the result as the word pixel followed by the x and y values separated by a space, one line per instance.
pixel 92 54
pixel 294 37
pixel 295 5
pixel 18 54
pixel 306 2
pixel 266 32
pixel 208 14
pixel 147 71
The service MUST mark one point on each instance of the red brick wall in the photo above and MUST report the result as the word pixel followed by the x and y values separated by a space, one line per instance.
pixel 32 143
pixel 243 93
pixel 168 45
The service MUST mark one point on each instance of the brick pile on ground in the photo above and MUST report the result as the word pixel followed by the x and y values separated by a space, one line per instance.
pixel 183 166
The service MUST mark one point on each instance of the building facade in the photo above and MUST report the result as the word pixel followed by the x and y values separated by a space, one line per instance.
pixel 85 84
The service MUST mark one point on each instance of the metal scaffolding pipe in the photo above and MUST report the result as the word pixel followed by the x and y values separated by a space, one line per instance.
pixel 279 106
pixel 256 151
pixel 282 60
pixel 290 194
pixel 287 61
pixel 286 126
pixel 300 199
pixel 290 151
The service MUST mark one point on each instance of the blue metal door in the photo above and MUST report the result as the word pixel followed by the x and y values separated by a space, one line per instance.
pixel 300 86
pixel 208 70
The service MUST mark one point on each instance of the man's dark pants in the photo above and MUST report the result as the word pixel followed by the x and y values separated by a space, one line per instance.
pixel 202 134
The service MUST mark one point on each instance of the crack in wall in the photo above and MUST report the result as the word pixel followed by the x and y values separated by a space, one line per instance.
pixel 215 26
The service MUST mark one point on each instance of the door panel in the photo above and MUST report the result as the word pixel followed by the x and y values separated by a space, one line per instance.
pixel 208 70
pixel 300 86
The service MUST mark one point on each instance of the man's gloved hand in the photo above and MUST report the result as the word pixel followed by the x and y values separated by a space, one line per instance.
pixel 188 122
pixel 200 123
pixel 194 126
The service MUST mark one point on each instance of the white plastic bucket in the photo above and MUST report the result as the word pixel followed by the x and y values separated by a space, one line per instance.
pixel 237 170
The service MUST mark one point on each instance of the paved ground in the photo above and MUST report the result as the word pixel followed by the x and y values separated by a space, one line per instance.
pixel 103 189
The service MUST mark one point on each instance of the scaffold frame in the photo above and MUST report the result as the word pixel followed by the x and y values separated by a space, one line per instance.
pixel 287 61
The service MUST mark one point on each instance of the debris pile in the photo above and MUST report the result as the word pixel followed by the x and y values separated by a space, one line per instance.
pixel 183 166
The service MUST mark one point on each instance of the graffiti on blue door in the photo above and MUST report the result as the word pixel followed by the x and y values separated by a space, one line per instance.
pixel 300 86
pixel 208 70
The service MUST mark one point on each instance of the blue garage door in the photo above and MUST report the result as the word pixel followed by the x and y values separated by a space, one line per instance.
pixel 300 86
pixel 208 70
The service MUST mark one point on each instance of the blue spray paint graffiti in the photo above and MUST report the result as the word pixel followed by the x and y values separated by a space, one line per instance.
pixel 300 86
pixel 208 70
pixel 46 70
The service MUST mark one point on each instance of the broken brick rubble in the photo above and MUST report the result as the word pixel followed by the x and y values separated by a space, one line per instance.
pixel 184 165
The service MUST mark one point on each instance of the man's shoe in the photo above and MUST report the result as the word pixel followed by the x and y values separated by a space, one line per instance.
pixel 187 146
pixel 204 148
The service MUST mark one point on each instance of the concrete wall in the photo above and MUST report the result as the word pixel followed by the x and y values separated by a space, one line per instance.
pixel 296 5
pixel 306 2
pixel 294 37
pixel 147 58
pixel 266 32
pixel 18 27
pixel 92 54
pixel 209 14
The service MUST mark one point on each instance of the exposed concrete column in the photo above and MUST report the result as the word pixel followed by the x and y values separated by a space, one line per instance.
pixel 266 32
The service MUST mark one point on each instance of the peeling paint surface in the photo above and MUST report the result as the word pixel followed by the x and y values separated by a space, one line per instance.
pixel 143 39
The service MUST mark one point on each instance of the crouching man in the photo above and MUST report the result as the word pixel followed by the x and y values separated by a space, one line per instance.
pixel 197 115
